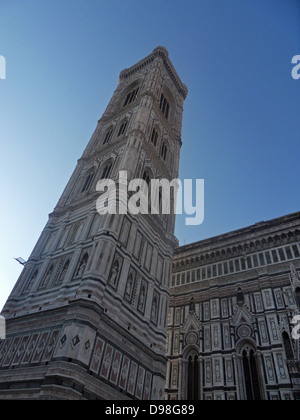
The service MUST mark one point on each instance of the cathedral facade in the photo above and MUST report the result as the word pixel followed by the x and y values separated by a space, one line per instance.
pixel 233 300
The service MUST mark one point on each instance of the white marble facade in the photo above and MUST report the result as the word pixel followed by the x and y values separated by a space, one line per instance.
pixel 232 302
pixel 87 318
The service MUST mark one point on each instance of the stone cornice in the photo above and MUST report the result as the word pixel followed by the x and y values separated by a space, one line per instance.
pixel 224 287
pixel 262 236
pixel 163 53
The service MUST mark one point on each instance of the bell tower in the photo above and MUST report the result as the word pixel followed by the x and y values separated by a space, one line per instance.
pixel 87 318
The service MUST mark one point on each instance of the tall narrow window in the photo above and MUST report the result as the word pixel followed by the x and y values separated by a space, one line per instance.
pixel 106 171
pixel 275 256
pixel 88 182
pixel 281 254
pixel 251 377
pixel 147 177
pixel 108 136
pixel 296 251
pixel 287 346
pixel 247 376
pixel 289 252
pixel 164 151
pixel 193 379
pixel 254 376
pixel 131 96
pixel 122 128
pixel 154 137
pixel 240 297
pixel 164 106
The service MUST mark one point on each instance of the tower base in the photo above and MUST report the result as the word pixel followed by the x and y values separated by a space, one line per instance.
pixel 76 352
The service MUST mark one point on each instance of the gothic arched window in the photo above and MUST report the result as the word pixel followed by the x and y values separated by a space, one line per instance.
pixel 108 135
pixel 193 378
pixel 122 129
pixel 251 376
pixel 88 182
pixel 131 96
pixel 107 170
pixel 287 346
pixel 164 151
pixel 147 176
pixel 164 106
pixel 154 137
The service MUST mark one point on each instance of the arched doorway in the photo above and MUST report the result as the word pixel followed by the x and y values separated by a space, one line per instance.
pixel 250 373
pixel 289 352
pixel 192 376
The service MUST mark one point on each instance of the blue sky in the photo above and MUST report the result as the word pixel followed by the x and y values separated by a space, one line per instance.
pixel 241 117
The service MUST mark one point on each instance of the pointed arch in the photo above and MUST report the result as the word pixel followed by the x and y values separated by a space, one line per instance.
pixel 191 376
pixel 107 169
pixel 155 135
pixel 251 376
pixel 147 175
pixel 130 93
pixel 108 135
pixel 123 127
pixel 289 352
pixel 88 180
pixel 167 104
pixel 164 150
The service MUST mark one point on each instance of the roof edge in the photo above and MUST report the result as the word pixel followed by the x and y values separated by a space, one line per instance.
pixel 249 229
pixel 164 54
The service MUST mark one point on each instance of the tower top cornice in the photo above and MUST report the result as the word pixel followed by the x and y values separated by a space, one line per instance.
pixel 163 53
